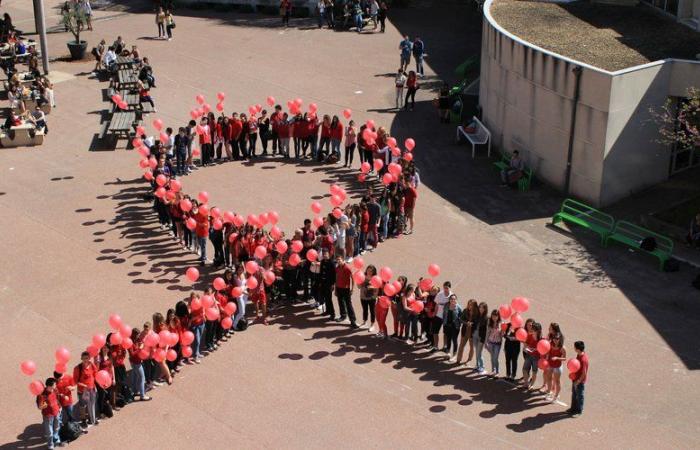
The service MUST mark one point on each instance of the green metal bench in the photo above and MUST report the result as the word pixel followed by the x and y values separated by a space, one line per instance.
pixel 585 216
pixel 504 163
pixel 632 235
pixel 524 181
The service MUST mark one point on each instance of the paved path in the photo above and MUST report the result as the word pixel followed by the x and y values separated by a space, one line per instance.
pixel 79 244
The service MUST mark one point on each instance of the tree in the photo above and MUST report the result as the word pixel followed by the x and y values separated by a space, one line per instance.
pixel 679 120
pixel 73 18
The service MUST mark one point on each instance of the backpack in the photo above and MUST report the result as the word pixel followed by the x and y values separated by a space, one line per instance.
pixel 70 431
pixel 648 244
pixel 242 324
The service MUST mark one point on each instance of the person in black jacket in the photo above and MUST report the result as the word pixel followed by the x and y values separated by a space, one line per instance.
pixel 326 281
pixel 480 336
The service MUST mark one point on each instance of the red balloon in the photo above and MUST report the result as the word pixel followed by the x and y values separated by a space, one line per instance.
pixel 203 196
pixel 220 96
pixel 99 340
pixel 115 321
pixel 226 323
pixel 386 273
pixel 370 124
pixel 505 311
pixel 365 167
pixel 251 267
pixel 148 175
pixel 237 291
pixel 217 224
pixel 199 98
pixel 191 224
pixel 275 232
pixel 387 179
pixel 36 387
pixel 543 346
pixel 158 124
pixel 62 355
pixel 574 365
pixel 230 308
pixel 187 338
pixel 269 277
pixel 103 378
pixel 337 213
pixel 521 334
pixel 358 262
pixel 358 277
pixel 516 321
pixel 281 246
pixel 28 367
pixel 376 282
pixel 60 368
pixel 543 364
pixel 408 156
pixel 160 192
pixel 115 339
pixel 312 255
pixel 186 351
pixel 185 205
pixel 520 304
pixel 219 283
pixel 409 144
pixel 238 220
pixel 211 313
pixel 389 289
pixel 347 113
pixel 192 274
pixel 260 252
pixel 297 246
pixel 316 207
pixel 195 304
pixel 127 343
pixel 152 339
pixel 417 307
pixel 294 259
pixel 426 284
pixel 273 217
pixel 271 100
pixel 384 302
pixel 252 283
pixel 378 164
pixel 92 350
pixel 207 301
pixel 434 270
pixel 318 222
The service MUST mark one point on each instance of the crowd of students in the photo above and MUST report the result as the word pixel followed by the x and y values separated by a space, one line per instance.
pixel 318 261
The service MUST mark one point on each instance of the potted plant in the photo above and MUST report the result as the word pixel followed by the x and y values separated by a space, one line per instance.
pixel 74 19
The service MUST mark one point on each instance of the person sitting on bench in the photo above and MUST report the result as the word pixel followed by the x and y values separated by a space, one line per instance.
pixel 693 237
pixel 464 130
pixel 514 171
pixel 38 118
pixel 119 46
pixel 111 60
pixel 146 73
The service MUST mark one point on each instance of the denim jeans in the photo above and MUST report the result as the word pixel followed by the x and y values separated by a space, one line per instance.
pixel 240 311
pixel 138 380
pixel 325 141
pixel 358 22
pixel 419 64
pixel 335 147
pixel 479 345
pixel 577 391
pixel 384 227
pixel 202 241
pixel 51 424
pixel 67 414
pixel 313 142
pixel 494 351
pixel 181 161
pixel 88 398
pixel 198 331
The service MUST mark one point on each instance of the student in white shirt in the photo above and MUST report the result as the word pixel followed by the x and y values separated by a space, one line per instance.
pixel 441 299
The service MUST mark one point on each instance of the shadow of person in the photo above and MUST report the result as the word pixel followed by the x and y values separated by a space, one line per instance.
pixel 537 421
pixel 31 437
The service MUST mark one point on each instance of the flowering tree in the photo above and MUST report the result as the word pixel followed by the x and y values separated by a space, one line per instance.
pixel 679 122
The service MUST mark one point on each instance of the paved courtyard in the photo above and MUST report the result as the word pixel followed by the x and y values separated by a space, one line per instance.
pixel 79 243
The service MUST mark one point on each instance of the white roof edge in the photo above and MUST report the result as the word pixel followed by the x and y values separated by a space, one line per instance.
pixel 492 21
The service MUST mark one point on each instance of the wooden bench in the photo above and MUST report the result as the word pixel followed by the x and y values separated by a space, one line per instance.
pixel 24 135
pixel 480 137
pixel 585 216
pixel 122 123
pixel 126 79
pixel 632 235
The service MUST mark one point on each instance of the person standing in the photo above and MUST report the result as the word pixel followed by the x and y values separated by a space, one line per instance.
pixel 418 53
pixel 442 298
pixel 374 12
pixel 494 337
pixel 405 47
pixel 84 376
pixel 321 10
pixel 169 24
pixel 64 386
pixel 451 324
pixel 264 130
pixel 350 143
pixel 343 289
pixel 579 382
pixel 86 9
pixel 382 16
pixel 138 375
pixel 412 87
pixel 400 82
pixel 47 402
pixel 160 22
pixel 368 298
pixel 410 194
pixel 512 350
pixel 285 11
pixel 336 136
pixel 326 280
pixel 205 144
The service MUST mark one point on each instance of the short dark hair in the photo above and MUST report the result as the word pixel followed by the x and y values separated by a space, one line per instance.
pixel 50 382
pixel 447 284
pixel 84 354
pixel 579 345
pixel 515 152
pixel 307 221
pixel 57 375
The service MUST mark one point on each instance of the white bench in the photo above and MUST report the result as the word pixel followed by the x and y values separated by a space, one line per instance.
pixel 480 137
pixel 25 135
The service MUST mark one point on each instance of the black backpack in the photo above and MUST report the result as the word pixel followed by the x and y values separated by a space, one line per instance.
pixel 70 431
pixel 242 324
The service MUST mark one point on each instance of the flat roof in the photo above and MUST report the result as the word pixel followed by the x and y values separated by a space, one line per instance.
pixel 610 37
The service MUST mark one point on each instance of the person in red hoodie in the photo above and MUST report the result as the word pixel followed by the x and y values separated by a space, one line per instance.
pixel 336 136
pixel 47 402
pixel 84 376
pixel 234 134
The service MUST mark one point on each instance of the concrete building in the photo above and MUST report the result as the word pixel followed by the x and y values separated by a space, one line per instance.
pixel 582 129
pixel 686 12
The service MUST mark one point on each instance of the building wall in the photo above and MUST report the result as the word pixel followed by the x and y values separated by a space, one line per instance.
pixel 526 95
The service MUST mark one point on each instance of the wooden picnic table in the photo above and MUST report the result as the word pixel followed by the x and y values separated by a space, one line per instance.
pixel 131 99
pixel 124 62
pixel 127 79
pixel 122 122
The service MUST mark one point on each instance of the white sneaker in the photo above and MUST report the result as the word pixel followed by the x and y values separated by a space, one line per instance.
pixel 409 342
pixel 453 359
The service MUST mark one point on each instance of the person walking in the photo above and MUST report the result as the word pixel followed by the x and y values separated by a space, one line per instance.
pixel 418 53
pixel 383 8
pixel 169 24
pixel 160 22
pixel 579 380
pixel 412 88
pixel 399 82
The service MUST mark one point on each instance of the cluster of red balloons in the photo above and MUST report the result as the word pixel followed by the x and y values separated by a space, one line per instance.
pixel 121 104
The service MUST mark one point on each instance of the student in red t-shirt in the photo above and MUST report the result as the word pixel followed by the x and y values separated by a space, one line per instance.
pixel 103 361
pixel 579 379
pixel 259 297
pixel 196 327
pixel 534 334
pixel 64 393
pixel 117 354
pixel 275 119
pixel 410 194
pixel 84 376
pixel 325 138
pixel 201 232
pixel 47 402
pixel 343 289
pixel 336 136
pixel 284 131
